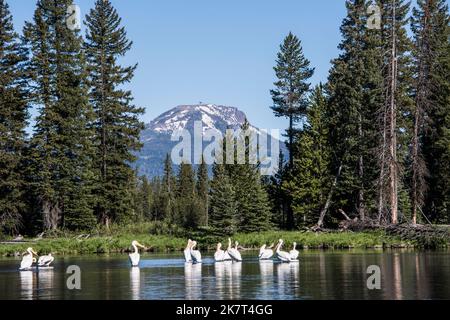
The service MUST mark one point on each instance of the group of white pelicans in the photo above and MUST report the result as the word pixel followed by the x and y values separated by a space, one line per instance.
pixel 191 255
pixel 233 254
pixel 43 262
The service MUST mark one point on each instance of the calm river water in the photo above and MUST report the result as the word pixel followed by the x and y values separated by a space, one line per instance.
pixel 318 275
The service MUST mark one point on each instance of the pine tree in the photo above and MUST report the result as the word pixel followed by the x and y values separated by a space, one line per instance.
pixel 250 196
pixel 202 189
pixel 277 194
pixel 157 203
pixel 311 182
pixel 143 200
pixel 13 117
pixel 223 206
pixel 188 214
pixel 430 25
pixel 117 124
pixel 61 147
pixel 167 206
pixel 290 96
pixel 353 89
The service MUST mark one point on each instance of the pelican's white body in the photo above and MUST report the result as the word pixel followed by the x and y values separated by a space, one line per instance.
pixel 195 254
pixel 283 256
pixel 27 260
pixel 234 252
pixel 46 261
pixel 187 252
pixel 219 256
pixel 135 257
pixel 265 254
pixel 294 253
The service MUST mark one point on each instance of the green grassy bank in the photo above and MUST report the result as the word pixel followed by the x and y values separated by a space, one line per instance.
pixel 119 241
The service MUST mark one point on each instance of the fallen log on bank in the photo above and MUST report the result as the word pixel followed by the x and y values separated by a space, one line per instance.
pixel 427 236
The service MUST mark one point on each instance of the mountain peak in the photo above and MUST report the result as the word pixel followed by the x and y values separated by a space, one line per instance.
pixel 211 115
pixel 157 141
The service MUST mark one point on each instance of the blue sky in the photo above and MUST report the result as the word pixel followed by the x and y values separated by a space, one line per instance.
pixel 220 52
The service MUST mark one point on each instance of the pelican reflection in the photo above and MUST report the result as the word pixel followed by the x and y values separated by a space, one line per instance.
pixel 46 282
pixel 193 280
pixel 288 278
pixel 266 270
pixel 228 279
pixel 26 284
pixel 135 283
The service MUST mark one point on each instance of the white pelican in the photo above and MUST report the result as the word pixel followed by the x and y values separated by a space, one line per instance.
pixel 28 259
pixel 187 251
pixel 265 253
pixel 219 256
pixel 135 256
pixel 294 253
pixel 233 252
pixel 283 256
pixel 195 254
pixel 46 261
pixel 227 256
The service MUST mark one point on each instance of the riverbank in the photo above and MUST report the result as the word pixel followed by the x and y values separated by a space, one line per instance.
pixel 120 242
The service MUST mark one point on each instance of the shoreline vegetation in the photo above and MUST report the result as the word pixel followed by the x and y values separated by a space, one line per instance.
pixel 118 240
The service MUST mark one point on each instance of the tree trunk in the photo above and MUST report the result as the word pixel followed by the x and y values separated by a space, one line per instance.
pixel 393 174
pixel 361 206
pixel 415 169
pixel 382 168
pixel 291 142
pixel 418 164
pixel 330 197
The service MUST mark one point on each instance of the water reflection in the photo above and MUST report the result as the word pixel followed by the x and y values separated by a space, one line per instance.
pixel 45 283
pixel 397 273
pixel 266 270
pixel 321 275
pixel 26 284
pixel 135 283
pixel 193 280
pixel 288 278
pixel 228 279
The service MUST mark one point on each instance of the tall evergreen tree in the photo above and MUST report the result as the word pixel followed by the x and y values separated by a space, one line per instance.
pixel 311 183
pixel 117 124
pixel 293 72
pixel 167 206
pixel 223 208
pixel 13 120
pixel 61 157
pixel 290 96
pixel 430 25
pixel 277 195
pixel 354 92
pixel 144 199
pixel 250 196
pixel 188 213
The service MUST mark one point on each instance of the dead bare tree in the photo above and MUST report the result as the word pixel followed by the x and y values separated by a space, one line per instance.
pixel 389 176
pixel 324 211
pixel 422 89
